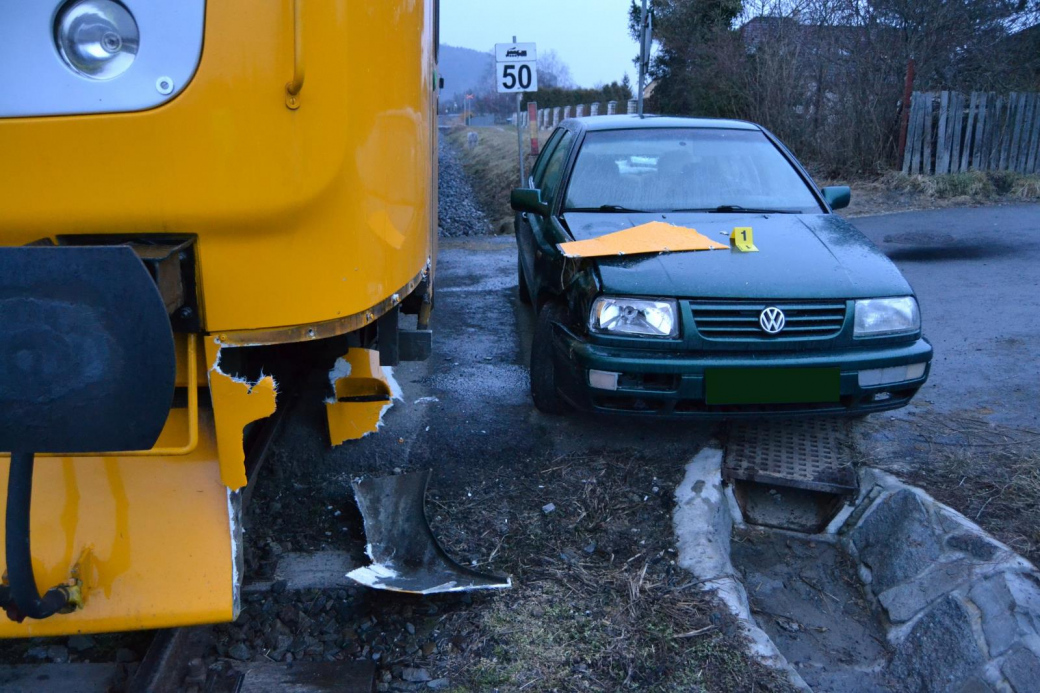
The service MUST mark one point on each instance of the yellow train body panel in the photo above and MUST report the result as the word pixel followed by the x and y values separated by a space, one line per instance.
pixel 150 536
pixel 302 216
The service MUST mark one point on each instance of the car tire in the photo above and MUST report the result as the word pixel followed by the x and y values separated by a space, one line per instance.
pixel 522 292
pixel 543 368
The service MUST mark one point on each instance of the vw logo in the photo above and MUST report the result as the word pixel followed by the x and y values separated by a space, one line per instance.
pixel 772 320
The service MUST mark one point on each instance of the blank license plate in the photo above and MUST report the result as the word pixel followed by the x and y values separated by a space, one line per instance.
pixel 772 385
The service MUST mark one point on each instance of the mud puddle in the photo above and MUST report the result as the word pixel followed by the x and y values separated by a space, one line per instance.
pixel 805 594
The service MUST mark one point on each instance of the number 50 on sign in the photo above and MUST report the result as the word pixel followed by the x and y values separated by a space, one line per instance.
pixel 517 66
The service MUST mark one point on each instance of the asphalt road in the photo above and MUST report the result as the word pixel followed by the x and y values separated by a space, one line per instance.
pixel 976 272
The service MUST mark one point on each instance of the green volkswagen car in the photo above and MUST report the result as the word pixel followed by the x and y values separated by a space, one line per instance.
pixel 804 317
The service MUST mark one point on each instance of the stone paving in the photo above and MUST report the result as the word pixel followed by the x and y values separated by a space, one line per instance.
pixel 963 609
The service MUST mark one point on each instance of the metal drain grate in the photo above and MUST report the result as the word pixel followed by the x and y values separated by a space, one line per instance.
pixel 812 454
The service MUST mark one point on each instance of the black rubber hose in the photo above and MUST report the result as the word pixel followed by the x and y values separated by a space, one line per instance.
pixel 19 556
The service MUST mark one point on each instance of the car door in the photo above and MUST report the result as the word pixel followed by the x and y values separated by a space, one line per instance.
pixel 536 227
pixel 521 223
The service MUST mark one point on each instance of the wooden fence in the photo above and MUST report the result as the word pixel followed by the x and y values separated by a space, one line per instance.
pixel 949 132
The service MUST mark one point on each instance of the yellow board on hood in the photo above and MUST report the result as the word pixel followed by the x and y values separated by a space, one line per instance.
pixel 654 237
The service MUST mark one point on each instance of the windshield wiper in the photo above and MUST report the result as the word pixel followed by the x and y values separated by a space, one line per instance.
pixel 730 209
pixel 606 208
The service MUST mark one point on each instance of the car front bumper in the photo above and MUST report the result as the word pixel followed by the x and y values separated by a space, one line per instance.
pixel 656 383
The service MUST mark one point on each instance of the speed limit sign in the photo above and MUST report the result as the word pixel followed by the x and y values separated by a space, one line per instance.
pixel 517 67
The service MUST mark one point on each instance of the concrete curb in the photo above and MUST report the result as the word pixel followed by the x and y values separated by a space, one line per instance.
pixel 700 504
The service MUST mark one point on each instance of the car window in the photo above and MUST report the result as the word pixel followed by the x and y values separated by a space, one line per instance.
pixel 554 169
pixel 667 169
pixel 539 166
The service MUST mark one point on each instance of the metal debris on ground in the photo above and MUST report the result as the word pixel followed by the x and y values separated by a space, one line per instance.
pixel 405 555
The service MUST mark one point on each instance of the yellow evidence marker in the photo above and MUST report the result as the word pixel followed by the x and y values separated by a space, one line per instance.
pixel 742 239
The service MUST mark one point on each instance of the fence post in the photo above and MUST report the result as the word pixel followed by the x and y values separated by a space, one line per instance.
pixel 1034 140
pixel 611 107
pixel 579 111
pixel 633 106
pixel 556 116
pixel 904 120
pixel 927 167
pixel 980 129
pixel 966 149
pixel 594 110
pixel 942 148
pixel 908 137
pixel 566 112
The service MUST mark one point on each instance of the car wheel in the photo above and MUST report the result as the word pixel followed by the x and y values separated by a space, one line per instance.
pixel 543 369
pixel 521 282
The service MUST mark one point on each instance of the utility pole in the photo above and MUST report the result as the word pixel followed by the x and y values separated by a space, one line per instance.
pixel 644 21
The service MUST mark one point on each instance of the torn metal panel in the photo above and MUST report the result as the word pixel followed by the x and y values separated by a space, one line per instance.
pixel 362 393
pixel 236 404
pixel 654 237
pixel 405 555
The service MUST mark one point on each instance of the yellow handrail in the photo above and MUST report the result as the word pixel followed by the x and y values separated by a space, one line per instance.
pixel 292 88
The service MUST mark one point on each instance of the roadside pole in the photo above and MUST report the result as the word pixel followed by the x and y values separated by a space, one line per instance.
pixel 520 137
pixel 517 72
pixel 644 53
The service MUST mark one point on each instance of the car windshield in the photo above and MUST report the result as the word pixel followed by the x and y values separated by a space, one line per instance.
pixel 692 169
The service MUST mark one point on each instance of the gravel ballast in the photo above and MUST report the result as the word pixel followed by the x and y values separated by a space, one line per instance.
pixel 458 213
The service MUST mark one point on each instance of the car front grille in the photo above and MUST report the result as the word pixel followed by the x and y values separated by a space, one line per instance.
pixel 738 320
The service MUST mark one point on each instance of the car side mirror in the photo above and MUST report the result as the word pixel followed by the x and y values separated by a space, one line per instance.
pixel 528 200
pixel 837 196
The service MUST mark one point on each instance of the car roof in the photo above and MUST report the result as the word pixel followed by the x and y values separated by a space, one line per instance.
pixel 632 122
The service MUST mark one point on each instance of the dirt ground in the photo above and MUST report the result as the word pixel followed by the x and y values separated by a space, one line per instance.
pixel 597 601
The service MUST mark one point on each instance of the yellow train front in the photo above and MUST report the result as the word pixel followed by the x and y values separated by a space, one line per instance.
pixel 192 193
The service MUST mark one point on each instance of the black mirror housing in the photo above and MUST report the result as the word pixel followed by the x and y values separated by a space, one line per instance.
pixel 837 196
pixel 528 200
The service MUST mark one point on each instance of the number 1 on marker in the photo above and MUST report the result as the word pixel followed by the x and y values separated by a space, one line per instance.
pixel 743 239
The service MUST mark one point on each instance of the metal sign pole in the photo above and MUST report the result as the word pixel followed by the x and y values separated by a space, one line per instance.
pixel 519 134
pixel 642 57
pixel 520 137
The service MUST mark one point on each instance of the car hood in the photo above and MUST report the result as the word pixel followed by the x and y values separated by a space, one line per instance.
pixel 800 256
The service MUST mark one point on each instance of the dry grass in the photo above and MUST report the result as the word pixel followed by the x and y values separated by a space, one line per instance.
pixel 974 184
pixel 598 602
pixel 991 474
pixel 493 168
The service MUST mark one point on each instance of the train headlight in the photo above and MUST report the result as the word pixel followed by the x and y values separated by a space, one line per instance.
pixel 96 38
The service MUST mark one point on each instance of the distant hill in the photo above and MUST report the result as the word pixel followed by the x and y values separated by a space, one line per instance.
pixel 462 69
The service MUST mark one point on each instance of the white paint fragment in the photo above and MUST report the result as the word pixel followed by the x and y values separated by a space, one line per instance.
pixel 375 574
pixel 426 400
pixel 236 538
pixel 341 369
pixel 395 389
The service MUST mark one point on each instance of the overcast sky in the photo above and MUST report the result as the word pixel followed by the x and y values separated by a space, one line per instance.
pixel 590 36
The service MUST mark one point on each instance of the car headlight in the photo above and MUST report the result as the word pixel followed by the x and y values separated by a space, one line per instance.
pixel 96 38
pixel 633 316
pixel 886 316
